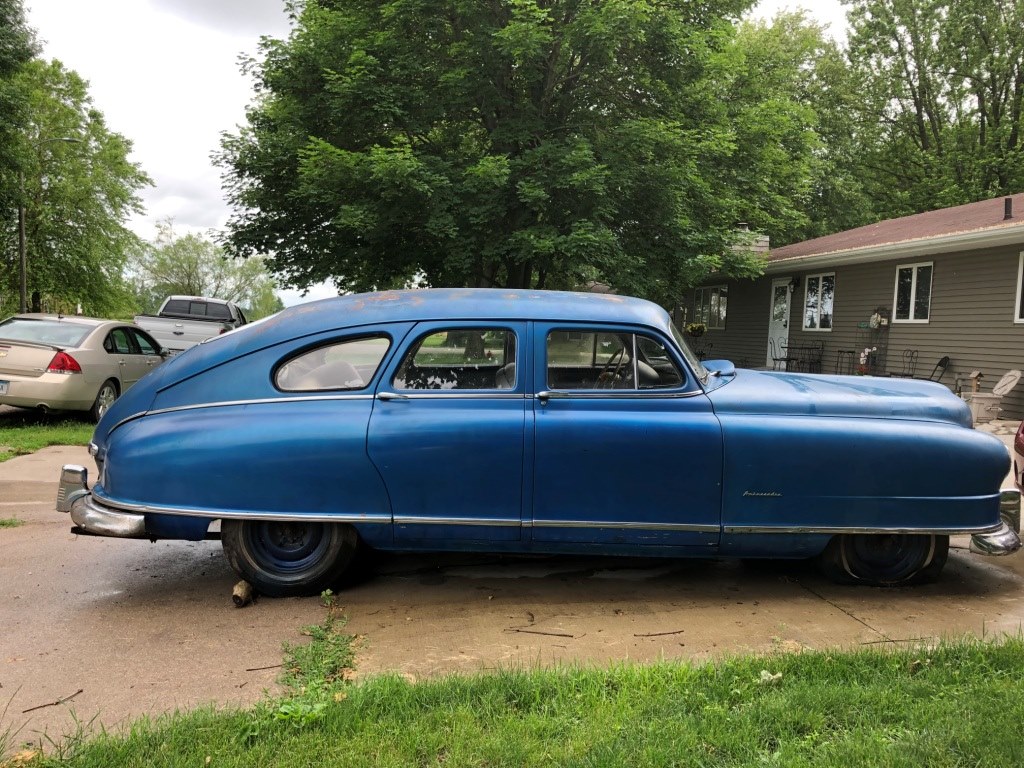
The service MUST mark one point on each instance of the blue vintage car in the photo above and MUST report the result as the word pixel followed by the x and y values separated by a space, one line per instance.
pixel 523 421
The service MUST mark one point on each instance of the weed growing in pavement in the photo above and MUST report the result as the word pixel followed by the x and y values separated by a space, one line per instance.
pixel 10 522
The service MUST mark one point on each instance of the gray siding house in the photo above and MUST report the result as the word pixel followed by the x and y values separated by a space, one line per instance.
pixel 873 300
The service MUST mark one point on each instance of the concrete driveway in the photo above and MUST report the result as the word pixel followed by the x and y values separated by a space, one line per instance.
pixel 127 628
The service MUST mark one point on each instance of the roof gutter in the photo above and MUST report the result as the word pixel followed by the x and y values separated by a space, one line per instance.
pixel 907 249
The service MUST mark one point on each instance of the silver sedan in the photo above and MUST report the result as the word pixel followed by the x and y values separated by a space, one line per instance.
pixel 71 363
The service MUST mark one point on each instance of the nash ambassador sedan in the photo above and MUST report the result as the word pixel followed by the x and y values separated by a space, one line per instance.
pixel 518 421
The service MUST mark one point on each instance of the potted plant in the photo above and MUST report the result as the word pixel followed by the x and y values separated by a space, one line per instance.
pixel 696 330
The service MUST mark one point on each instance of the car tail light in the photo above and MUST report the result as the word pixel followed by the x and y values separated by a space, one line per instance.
pixel 64 363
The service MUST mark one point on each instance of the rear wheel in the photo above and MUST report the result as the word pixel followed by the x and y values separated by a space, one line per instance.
pixel 104 399
pixel 885 559
pixel 285 558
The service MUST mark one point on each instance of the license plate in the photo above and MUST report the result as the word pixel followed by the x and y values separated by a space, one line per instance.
pixel 3 387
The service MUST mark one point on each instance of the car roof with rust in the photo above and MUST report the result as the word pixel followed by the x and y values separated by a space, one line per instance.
pixel 460 304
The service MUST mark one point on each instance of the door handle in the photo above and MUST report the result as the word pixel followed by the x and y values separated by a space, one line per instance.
pixel 544 395
pixel 389 396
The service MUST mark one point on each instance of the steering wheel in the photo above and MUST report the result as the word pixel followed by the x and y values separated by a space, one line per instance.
pixel 607 378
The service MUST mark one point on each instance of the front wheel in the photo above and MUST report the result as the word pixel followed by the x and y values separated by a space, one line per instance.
pixel 286 558
pixel 885 559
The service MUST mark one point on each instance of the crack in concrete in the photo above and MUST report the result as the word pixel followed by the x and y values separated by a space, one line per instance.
pixel 851 614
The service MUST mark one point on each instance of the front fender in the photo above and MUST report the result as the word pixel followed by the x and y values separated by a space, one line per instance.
pixel 836 474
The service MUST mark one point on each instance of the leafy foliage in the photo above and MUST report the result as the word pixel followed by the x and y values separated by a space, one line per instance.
pixel 194 266
pixel 938 100
pixel 518 143
pixel 78 189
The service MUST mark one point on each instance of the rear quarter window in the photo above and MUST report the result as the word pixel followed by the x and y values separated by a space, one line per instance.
pixel 345 365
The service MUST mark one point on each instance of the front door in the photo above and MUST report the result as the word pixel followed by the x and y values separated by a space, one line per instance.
pixel 778 322
pixel 628 450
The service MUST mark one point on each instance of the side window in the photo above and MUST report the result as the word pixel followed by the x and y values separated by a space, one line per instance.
pixel 350 364
pixel 146 344
pixel 608 360
pixel 913 298
pixel 117 342
pixel 460 358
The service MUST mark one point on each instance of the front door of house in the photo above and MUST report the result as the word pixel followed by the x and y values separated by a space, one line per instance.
pixel 778 322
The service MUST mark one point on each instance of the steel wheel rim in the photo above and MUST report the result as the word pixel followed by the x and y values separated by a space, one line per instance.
pixel 287 548
pixel 890 557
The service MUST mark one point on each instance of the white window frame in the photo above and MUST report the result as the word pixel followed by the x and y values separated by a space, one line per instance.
pixel 718 324
pixel 807 284
pixel 913 291
pixel 1020 285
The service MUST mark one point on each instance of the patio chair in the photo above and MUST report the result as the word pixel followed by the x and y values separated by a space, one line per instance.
pixel 909 358
pixel 778 353
pixel 938 371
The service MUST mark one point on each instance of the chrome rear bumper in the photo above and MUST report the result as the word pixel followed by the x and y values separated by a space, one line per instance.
pixel 89 517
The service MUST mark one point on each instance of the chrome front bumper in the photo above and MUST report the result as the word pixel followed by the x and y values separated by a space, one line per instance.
pixel 1005 540
pixel 89 517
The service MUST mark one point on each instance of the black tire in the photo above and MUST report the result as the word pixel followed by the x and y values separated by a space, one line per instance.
pixel 884 559
pixel 109 392
pixel 284 559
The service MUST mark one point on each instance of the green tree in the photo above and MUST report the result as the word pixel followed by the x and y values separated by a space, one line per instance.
pixel 17 48
pixel 542 143
pixel 194 266
pixel 940 91
pixel 77 194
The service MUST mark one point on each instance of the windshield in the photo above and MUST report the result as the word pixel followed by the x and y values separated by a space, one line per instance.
pixel 54 332
pixel 698 368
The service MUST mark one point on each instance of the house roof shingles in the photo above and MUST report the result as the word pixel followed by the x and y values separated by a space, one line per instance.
pixel 984 215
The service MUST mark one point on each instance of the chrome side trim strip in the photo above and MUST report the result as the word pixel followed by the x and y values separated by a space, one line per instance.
pixel 635 394
pixel 230 514
pixel 803 529
pixel 446 394
pixel 482 521
pixel 257 401
pixel 626 525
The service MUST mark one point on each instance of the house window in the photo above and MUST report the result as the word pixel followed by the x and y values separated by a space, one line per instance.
pixel 913 293
pixel 710 305
pixel 818 298
pixel 1018 315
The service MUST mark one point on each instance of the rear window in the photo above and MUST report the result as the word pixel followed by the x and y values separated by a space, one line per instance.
pixel 55 332
pixel 187 308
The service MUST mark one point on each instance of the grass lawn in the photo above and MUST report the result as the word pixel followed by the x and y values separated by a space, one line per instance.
pixel 960 704
pixel 28 431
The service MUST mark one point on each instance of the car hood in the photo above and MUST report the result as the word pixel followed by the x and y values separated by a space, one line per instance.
pixel 769 392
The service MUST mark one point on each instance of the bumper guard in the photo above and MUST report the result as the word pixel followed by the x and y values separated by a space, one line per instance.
pixel 1005 540
pixel 90 517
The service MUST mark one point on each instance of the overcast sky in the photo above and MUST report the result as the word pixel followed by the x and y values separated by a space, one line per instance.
pixel 166 75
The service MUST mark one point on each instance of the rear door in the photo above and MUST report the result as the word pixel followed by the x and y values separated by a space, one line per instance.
pixel 147 350
pixel 448 433
pixel 122 350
